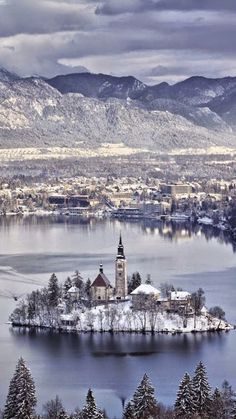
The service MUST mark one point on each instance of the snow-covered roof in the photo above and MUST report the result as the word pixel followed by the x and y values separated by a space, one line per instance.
pixel 179 295
pixel 73 289
pixel 204 310
pixel 145 289
pixel 68 317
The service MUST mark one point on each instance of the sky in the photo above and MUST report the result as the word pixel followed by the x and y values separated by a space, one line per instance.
pixel 153 40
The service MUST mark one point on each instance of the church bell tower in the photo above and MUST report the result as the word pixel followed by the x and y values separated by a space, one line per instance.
pixel 121 288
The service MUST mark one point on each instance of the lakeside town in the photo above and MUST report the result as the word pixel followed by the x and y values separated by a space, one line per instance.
pixel 211 203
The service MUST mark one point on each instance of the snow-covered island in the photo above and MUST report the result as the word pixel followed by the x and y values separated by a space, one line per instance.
pixel 130 306
pixel 141 315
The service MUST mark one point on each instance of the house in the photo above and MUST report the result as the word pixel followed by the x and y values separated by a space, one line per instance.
pixel 144 294
pixel 73 293
pixel 179 300
pixel 69 320
pixel 101 288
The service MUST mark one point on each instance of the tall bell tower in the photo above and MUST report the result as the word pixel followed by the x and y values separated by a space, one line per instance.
pixel 121 272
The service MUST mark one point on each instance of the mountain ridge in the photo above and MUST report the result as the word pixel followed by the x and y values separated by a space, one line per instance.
pixel 36 112
pixel 195 92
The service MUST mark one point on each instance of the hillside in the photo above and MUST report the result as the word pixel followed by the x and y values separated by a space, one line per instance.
pixel 87 110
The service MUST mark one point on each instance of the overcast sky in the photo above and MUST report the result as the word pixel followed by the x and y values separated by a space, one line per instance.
pixel 154 40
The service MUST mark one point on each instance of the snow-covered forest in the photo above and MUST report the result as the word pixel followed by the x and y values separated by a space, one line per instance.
pixel 195 399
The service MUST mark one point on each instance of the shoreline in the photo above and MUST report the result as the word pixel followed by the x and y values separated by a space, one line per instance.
pixel 69 329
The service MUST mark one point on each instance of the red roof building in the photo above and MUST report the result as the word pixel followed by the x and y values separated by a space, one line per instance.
pixel 101 288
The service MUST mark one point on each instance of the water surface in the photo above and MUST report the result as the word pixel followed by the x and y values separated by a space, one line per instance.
pixel 31 249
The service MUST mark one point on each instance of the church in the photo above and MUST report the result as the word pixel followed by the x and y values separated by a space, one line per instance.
pixel 101 288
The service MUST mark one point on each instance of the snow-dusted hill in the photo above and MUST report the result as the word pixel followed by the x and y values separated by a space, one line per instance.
pixel 33 113
pixel 181 98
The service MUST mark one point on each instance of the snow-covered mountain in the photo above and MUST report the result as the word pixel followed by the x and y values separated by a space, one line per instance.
pixel 6 76
pixel 217 97
pixel 87 110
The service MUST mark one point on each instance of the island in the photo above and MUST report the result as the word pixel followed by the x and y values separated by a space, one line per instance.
pixel 129 307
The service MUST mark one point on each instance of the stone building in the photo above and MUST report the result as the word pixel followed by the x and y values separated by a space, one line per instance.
pixel 144 296
pixel 121 283
pixel 101 288
pixel 180 301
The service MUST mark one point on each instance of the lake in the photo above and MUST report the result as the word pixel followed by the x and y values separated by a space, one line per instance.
pixel 67 365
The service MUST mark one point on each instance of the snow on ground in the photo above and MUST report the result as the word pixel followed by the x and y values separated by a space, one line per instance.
pixel 120 317
pixel 47 153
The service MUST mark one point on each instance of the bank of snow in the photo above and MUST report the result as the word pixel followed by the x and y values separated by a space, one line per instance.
pixel 121 317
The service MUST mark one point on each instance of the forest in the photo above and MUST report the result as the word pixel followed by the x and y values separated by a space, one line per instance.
pixel 195 399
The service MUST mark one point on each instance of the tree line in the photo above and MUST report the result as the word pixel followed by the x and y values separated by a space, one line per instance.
pixel 194 400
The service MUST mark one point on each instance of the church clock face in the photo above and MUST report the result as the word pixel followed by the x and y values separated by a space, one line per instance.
pixel 120 266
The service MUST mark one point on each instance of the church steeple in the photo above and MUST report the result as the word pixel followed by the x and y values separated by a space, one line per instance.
pixel 101 268
pixel 120 253
pixel 121 272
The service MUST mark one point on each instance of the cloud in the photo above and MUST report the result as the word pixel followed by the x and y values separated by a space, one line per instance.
pixel 114 7
pixel 43 16
pixel 154 40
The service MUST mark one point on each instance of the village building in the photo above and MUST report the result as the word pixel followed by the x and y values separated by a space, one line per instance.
pixel 180 300
pixel 101 288
pixel 69 320
pixel 73 293
pixel 145 294
pixel 121 281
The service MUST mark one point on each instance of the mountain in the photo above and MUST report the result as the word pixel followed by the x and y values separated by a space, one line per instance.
pixel 86 110
pixel 201 100
pixel 6 76
pixel 101 86
pixel 198 91
pixel 194 91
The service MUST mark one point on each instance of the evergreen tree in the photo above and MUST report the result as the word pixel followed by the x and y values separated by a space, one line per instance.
pixel 21 399
pixel 185 405
pixel 128 411
pixel 144 402
pixel 53 291
pixel 233 412
pixel 78 280
pixel 217 405
pixel 201 390
pixel 88 288
pixel 228 396
pixel 90 410
pixel 134 282
pixel 67 285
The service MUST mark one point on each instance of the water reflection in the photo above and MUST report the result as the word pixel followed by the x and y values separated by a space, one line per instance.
pixel 114 364
pixel 169 230
pixel 120 344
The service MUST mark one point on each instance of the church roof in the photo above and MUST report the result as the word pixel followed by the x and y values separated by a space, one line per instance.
pixel 101 281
